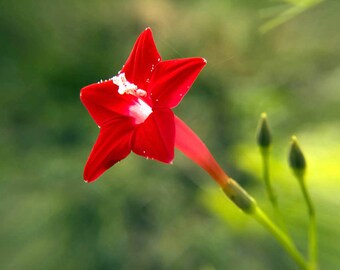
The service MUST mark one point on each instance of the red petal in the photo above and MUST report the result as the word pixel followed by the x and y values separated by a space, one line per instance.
pixel 155 138
pixel 192 146
pixel 172 79
pixel 142 60
pixel 112 145
pixel 104 103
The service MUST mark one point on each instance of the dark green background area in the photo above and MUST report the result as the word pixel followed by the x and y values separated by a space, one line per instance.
pixel 282 57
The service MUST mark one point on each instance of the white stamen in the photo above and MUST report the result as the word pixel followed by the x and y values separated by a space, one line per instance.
pixel 141 93
pixel 125 87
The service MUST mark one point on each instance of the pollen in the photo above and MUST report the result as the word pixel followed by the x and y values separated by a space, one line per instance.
pixel 125 87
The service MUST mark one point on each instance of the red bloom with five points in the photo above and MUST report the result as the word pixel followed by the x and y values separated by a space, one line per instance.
pixel 133 109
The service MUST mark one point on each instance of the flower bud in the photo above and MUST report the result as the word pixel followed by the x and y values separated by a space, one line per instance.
pixel 264 137
pixel 297 160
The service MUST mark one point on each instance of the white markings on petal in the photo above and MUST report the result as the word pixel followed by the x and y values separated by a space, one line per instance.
pixel 140 111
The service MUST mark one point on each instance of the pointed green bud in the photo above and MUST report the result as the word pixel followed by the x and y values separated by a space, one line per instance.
pixel 297 160
pixel 264 137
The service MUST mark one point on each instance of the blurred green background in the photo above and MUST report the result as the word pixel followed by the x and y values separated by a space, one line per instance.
pixel 282 57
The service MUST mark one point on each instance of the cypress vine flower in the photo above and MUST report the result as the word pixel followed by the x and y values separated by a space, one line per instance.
pixel 134 109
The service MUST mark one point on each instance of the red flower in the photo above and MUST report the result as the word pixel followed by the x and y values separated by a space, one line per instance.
pixel 133 109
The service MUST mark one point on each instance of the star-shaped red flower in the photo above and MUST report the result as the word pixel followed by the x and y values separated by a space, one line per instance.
pixel 133 109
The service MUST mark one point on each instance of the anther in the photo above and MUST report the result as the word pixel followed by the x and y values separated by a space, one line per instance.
pixel 125 87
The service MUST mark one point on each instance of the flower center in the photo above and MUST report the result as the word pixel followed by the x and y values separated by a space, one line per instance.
pixel 139 110
pixel 124 86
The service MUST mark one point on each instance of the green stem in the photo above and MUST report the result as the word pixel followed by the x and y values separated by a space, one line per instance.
pixel 266 177
pixel 265 153
pixel 247 203
pixel 312 230
pixel 280 236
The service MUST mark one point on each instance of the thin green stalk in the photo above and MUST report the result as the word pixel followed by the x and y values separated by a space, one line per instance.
pixel 281 237
pixel 312 230
pixel 265 153
pixel 266 177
